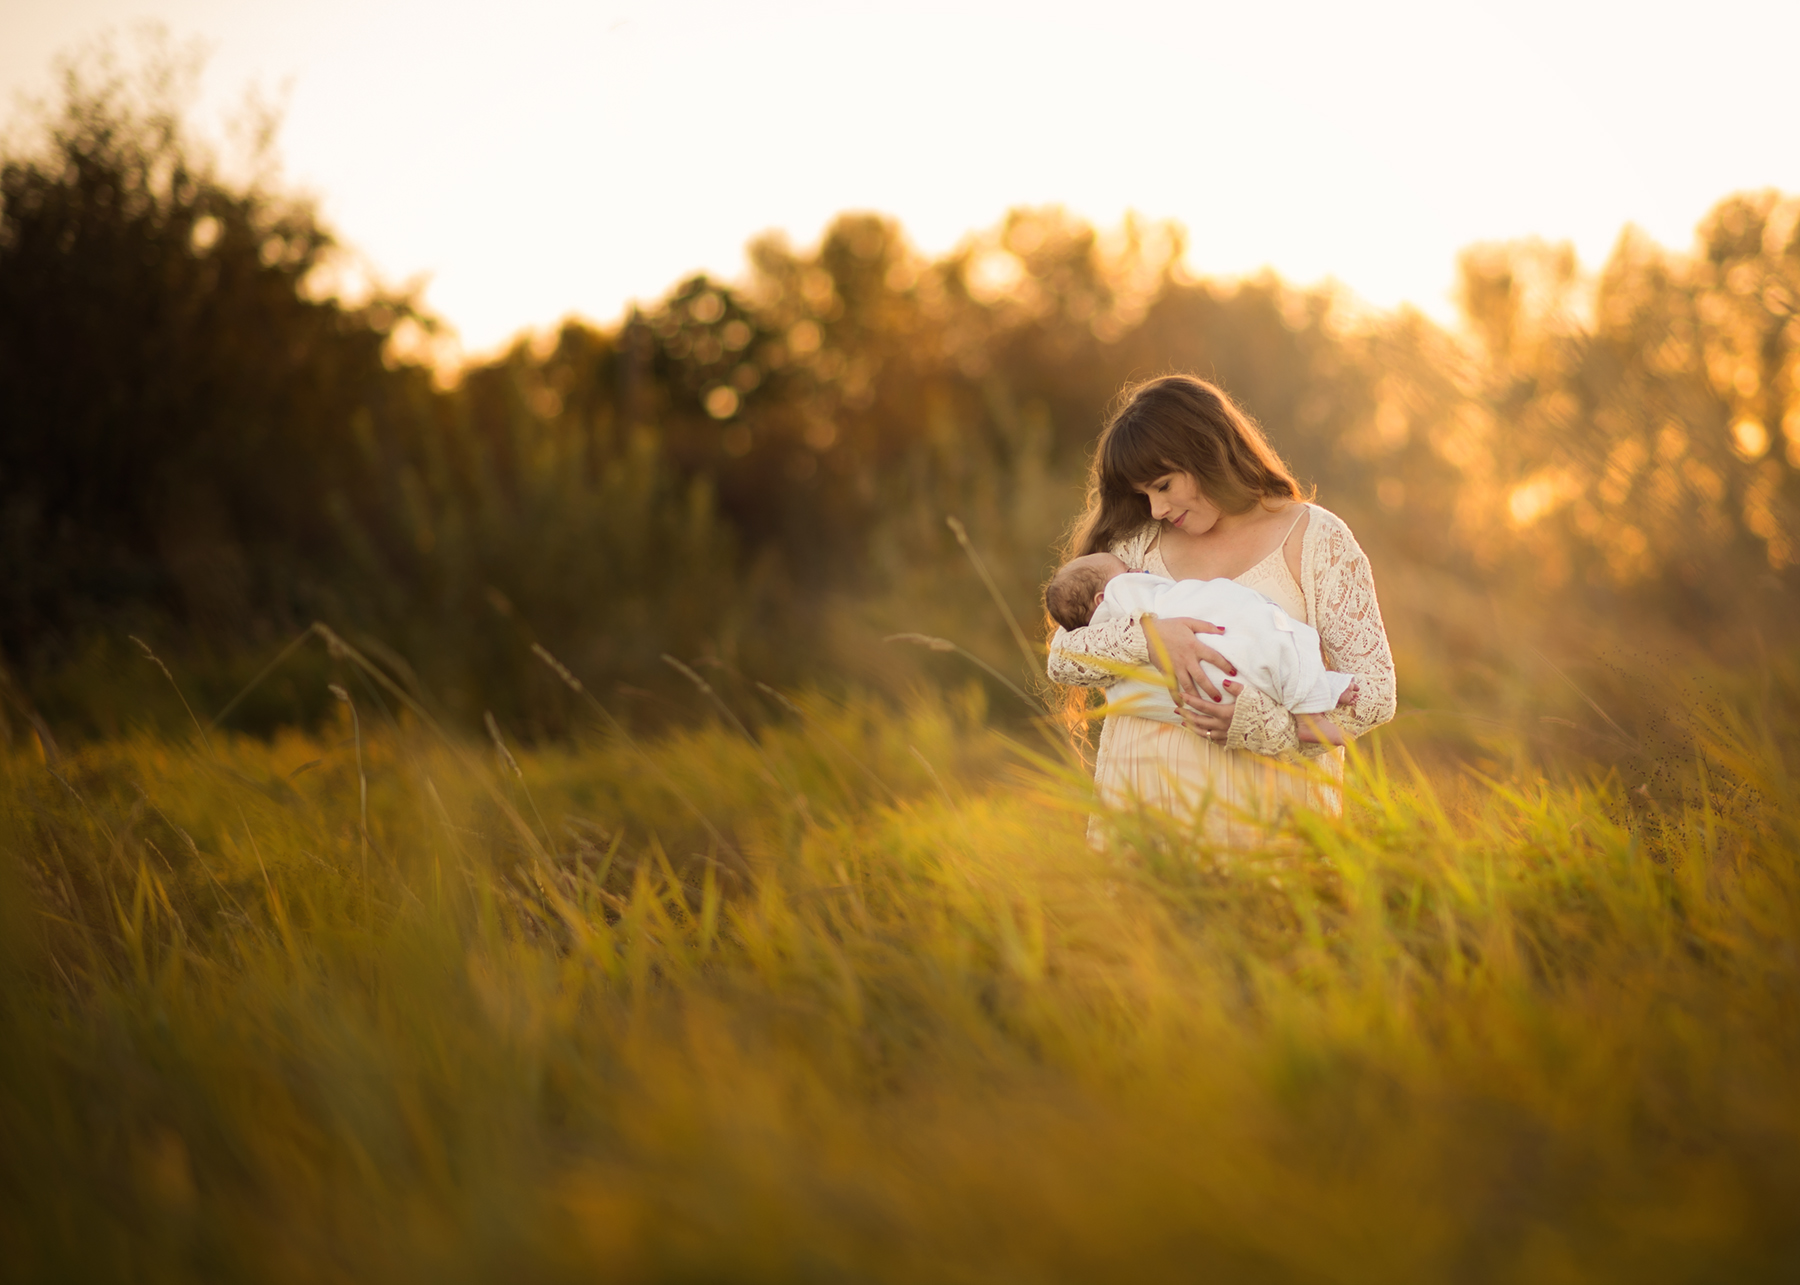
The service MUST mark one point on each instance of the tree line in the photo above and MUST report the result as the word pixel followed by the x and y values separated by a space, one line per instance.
pixel 203 446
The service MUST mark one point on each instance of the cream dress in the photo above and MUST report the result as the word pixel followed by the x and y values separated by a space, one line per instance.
pixel 1237 792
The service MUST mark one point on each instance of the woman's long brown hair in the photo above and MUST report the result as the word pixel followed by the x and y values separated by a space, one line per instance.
pixel 1175 424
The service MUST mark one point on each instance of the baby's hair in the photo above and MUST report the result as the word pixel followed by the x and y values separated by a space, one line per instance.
pixel 1069 597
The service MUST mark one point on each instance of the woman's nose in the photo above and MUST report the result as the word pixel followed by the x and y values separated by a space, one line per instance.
pixel 1158 507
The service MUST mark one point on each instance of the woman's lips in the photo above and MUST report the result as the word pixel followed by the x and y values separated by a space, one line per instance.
pixel 1178 521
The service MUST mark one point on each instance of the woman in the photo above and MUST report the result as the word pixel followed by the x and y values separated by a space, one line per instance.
pixel 1185 485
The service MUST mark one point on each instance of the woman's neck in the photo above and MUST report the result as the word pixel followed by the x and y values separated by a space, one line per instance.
pixel 1227 525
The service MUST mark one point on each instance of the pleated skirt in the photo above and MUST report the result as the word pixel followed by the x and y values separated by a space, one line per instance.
pixel 1229 800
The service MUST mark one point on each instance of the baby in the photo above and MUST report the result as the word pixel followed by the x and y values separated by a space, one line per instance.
pixel 1273 652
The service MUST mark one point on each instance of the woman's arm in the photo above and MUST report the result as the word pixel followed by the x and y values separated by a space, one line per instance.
pixel 1262 726
pixel 1120 641
pixel 1127 642
pixel 1354 638
pixel 1355 642
pixel 1124 642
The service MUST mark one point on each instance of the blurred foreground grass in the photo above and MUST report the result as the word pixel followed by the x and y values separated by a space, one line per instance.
pixel 857 1002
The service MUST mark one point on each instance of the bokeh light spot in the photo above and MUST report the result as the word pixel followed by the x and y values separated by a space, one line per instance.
pixel 1749 438
pixel 722 402
pixel 994 275
pixel 707 308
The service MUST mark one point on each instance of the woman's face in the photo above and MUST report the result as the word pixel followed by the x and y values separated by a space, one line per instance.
pixel 1175 498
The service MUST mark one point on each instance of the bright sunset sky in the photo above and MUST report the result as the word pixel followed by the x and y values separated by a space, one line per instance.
pixel 537 159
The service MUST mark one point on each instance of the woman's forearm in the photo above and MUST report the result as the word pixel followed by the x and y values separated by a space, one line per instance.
pixel 1351 632
pixel 1073 651
pixel 1318 729
pixel 1261 725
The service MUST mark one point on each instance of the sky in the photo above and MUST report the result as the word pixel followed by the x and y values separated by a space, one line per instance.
pixel 540 159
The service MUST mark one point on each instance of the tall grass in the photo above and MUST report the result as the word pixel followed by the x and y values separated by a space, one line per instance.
pixel 855 1000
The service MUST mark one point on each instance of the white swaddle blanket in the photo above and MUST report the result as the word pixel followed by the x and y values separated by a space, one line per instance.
pixel 1273 652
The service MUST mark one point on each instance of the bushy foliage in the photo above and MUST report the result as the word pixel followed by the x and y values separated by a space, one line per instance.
pixel 1655 442
pixel 175 407
pixel 202 445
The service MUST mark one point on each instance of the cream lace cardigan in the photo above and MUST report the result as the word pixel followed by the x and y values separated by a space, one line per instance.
pixel 1340 604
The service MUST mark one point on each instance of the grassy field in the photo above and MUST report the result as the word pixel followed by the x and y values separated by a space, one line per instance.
pixel 852 999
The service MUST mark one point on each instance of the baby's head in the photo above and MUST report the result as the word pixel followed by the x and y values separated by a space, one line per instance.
pixel 1077 587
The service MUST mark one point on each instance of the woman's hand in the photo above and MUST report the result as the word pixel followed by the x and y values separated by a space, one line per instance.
pixel 1184 654
pixel 1211 719
pixel 1204 708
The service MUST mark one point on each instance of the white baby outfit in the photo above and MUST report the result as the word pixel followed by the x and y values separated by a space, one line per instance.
pixel 1273 652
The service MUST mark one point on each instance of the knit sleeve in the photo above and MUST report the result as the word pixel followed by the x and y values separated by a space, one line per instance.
pixel 1340 594
pixel 1263 726
pixel 1072 652
pixel 1350 628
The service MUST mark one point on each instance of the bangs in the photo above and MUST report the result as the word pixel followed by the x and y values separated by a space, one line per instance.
pixel 1136 454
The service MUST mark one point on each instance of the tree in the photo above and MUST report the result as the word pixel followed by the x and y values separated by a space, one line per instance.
pixel 175 403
